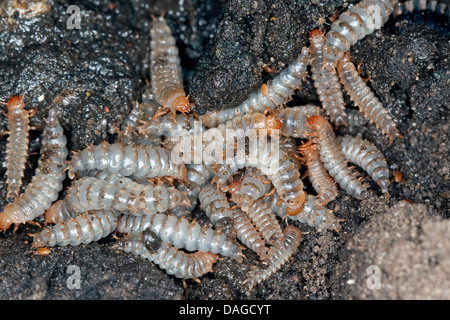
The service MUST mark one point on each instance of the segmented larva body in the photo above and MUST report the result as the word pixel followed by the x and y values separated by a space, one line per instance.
pixel 182 234
pixel 326 80
pixel 334 160
pixel 84 228
pixel 321 181
pixel 354 24
pixel 364 98
pixel 276 93
pixel 167 126
pixel 128 160
pixel 89 193
pixel 16 145
pixel 276 258
pixel 248 234
pixel 314 216
pixel 253 186
pixel 265 221
pixel 165 69
pixel 294 119
pixel 356 118
pixel 198 174
pixel 215 204
pixel 175 262
pixel 367 156
pixel 251 121
pixel 47 180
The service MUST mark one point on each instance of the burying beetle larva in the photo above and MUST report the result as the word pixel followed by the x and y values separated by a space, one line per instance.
pixel 182 233
pixel 333 158
pixel 364 98
pixel 17 144
pixel 294 119
pixel 47 181
pixel 326 80
pixel 165 70
pixel 276 258
pixel 253 186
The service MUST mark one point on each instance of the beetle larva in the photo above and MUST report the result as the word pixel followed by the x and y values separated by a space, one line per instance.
pixel 364 98
pixel 89 193
pixel 165 70
pixel 318 176
pixel 276 93
pixel 294 119
pixel 47 181
pixel 367 156
pixel 254 185
pixel 248 234
pixel 333 158
pixel 127 160
pixel 249 121
pixel 276 258
pixel 182 234
pixel 215 204
pixel 84 228
pixel 265 221
pixel 321 218
pixel 175 262
pixel 326 80
pixel 356 118
pixel 354 24
pixel 17 144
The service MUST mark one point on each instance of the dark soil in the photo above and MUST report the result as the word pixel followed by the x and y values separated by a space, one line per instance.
pixel 102 68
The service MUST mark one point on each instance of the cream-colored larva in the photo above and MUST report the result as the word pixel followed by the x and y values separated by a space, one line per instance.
pixel 215 204
pixel 294 119
pixel 182 233
pixel 364 98
pixel 367 156
pixel 128 160
pixel 276 93
pixel 354 24
pixel 90 193
pixel 276 258
pixel 47 180
pixel 16 145
pixel 321 181
pixel 265 221
pixel 253 186
pixel 326 80
pixel 175 262
pixel 165 70
pixel 248 234
pixel 333 158
pixel 84 228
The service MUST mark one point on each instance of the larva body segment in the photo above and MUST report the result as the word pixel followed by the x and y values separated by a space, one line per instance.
pixel 334 160
pixel 248 234
pixel 16 145
pixel 89 193
pixel 321 181
pixel 215 204
pixel 47 181
pixel 294 119
pixel 175 262
pixel 356 118
pixel 314 216
pixel 367 156
pixel 167 126
pixel 276 258
pixel 276 93
pixel 251 121
pixel 84 228
pixel 165 69
pixel 265 221
pixel 182 234
pixel 128 160
pixel 354 24
pixel 254 185
pixel 326 80
pixel 364 98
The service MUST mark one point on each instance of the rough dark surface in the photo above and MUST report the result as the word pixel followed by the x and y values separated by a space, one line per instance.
pixel 223 59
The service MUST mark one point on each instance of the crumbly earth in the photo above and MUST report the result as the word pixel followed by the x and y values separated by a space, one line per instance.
pixel 102 68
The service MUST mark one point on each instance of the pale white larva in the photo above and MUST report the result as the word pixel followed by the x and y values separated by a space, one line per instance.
pixel 47 180
pixel 253 186
pixel 294 119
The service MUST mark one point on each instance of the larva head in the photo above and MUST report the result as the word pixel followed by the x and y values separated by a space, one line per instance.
pixel 294 230
pixel 273 124
pixel 234 188
pixel 181 104
pixel 15 103
pixel 316 37
pixel 308 147
pixel 316 123
pixel 5 221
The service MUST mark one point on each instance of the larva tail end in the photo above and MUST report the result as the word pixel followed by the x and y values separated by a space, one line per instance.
pixel 5 221
pixel 51 215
